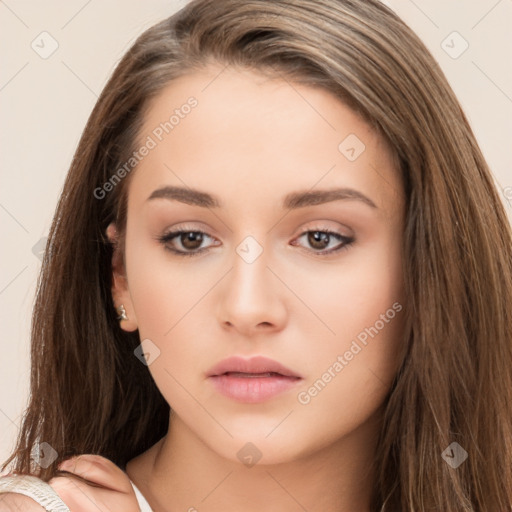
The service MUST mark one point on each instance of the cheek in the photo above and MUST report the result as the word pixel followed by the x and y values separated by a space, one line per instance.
pixel 350 375
pixel 172 301
pixel 169 310
pixel 163 288
pixel 351 370
pixel 352 296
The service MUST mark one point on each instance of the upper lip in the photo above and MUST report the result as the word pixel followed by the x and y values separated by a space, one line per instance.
pixel 257 364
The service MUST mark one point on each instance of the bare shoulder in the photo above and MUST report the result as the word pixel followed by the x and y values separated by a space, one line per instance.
pixel 14 502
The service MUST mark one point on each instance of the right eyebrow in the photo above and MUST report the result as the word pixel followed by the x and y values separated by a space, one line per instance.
pixel 186 195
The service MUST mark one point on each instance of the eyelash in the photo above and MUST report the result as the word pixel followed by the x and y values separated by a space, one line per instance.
pixel 168 237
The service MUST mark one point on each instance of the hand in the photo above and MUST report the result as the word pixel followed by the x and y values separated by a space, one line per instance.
pixel 111 490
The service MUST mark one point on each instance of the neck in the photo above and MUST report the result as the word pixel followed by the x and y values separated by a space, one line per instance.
pixel 182 473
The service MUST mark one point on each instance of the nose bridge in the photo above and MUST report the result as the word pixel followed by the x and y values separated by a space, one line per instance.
pixel 250 273
pixel 250 296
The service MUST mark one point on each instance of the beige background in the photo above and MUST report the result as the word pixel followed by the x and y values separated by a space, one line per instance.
pixel 45 103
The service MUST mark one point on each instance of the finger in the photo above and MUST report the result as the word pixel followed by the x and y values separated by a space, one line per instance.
pixel 79 496
pixel 98 470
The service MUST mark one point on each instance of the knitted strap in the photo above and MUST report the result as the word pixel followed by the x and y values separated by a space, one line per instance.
pixel 34 488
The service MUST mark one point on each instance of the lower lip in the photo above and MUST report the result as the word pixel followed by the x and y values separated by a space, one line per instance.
pixel 253 389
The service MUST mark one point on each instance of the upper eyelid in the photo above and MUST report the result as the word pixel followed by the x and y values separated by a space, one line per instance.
pixel 185 229
pixel 175 233
pixel 317 227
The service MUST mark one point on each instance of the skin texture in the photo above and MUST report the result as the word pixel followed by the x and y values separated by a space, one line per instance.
pixel 250 141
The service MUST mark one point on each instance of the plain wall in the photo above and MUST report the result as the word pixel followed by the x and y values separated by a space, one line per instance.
pixel 45 103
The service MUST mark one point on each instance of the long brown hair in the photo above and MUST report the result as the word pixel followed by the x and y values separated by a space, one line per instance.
pixel 89 394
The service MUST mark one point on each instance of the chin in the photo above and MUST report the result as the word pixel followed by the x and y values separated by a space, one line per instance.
pixel 252 448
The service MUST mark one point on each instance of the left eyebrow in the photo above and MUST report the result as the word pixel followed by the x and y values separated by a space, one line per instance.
pixel 291 201
pixel 314 197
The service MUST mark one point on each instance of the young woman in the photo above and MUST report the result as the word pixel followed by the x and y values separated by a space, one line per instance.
pixel 279 277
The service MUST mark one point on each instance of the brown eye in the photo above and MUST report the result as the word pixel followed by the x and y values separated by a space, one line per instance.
pixel 191 240
pixel 318 239
pixel 184 242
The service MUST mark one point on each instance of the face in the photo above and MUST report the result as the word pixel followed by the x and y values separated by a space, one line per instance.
pixel 292 215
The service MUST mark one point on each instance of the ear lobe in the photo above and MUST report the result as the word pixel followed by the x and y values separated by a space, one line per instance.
pixel 120 291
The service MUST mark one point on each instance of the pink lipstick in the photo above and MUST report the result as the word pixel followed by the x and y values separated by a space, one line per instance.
pixel 252 380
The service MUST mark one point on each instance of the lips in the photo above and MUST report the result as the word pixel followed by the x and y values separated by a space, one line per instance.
pixel 252 380
pixel 257 366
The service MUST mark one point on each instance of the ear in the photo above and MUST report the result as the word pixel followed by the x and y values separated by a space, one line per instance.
pixel 120 291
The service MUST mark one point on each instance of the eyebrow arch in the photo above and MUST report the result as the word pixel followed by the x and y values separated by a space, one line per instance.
pixel 187 196
pixel 291 201
pixel 314 197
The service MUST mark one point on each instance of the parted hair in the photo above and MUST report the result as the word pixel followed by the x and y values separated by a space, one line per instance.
pixel 89 394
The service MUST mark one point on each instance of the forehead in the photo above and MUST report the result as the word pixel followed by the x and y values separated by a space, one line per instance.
pixel 249 136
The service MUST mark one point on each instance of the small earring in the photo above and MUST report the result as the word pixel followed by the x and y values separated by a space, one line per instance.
pixel 121 312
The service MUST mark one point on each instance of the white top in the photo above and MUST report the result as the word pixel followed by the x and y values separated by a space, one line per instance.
pixel 143 504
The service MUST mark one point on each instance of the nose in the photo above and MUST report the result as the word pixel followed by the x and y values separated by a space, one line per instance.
pixel 251 299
